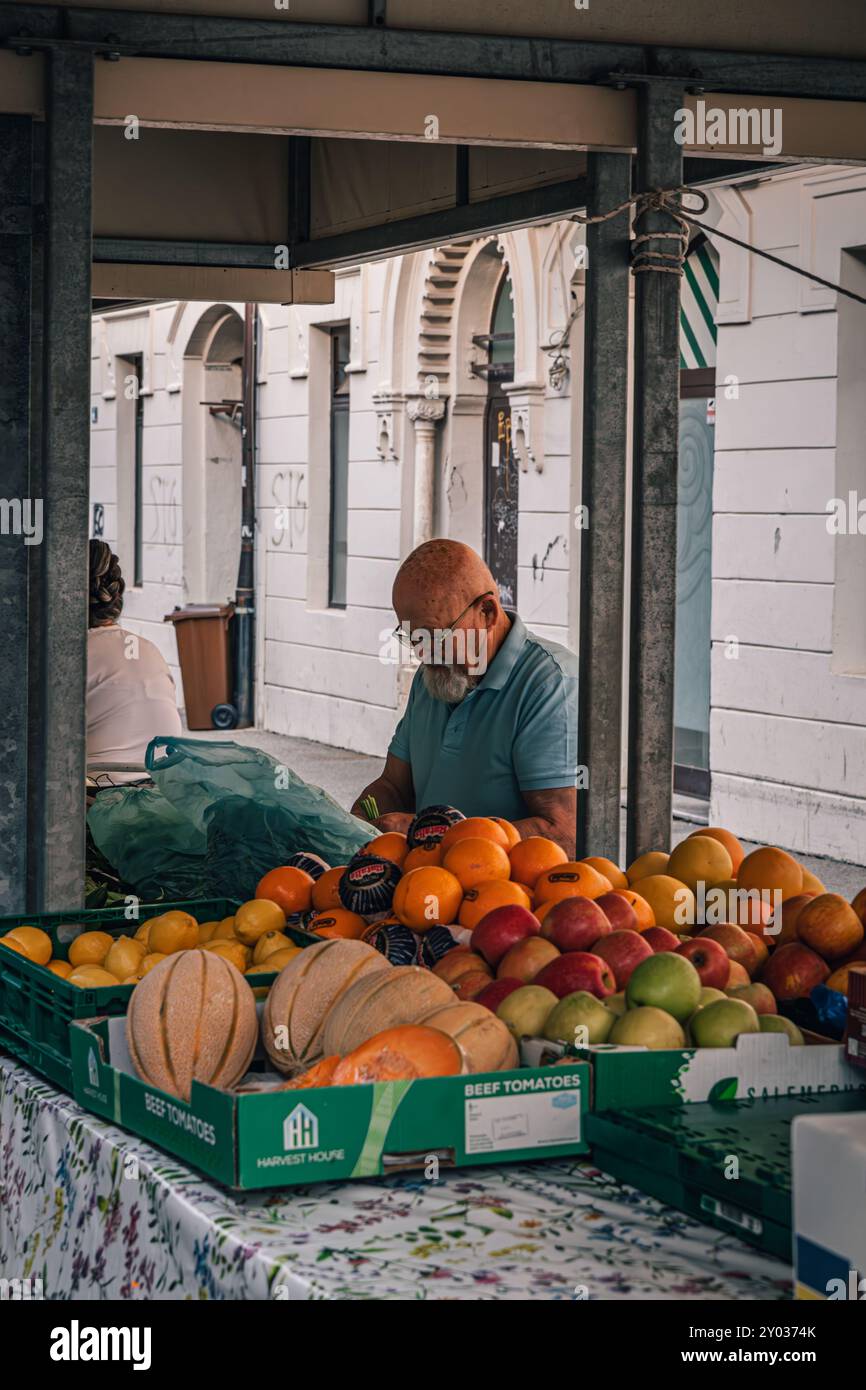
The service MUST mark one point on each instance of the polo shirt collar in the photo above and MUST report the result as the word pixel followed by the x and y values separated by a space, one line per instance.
pixel 503 663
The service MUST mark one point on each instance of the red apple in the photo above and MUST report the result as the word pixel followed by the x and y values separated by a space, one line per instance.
pixel 737 975
pixel 736 943
pixel 709 959
pixel 575 924
pixel 618 911
pixel 760 997
pixel 575 970
pixel 622 951
pixel 793 971
pixel 470 985
pixel 496 991
pixel 524 960
pixel 501 929
pixel 830 926
pixel 661 939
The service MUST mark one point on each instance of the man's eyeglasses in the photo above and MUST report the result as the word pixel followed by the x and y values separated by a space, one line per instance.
pixel 415 638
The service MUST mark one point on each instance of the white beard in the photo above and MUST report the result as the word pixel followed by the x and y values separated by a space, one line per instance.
pixel 448 683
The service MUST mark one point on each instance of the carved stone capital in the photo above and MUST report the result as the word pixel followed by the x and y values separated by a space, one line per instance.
pixel 425 413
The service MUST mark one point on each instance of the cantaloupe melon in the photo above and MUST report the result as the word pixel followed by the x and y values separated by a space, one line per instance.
pixel 306 991
pixel 193 1016
pixel 486 1042
pixel 402 995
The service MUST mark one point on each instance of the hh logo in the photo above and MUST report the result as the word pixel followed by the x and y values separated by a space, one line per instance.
pixel 301 1129
pixel 92 1068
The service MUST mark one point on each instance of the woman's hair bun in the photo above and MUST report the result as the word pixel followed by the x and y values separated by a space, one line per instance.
pixel 106 584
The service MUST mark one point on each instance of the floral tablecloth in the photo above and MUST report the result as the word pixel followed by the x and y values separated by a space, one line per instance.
pixel 94 1212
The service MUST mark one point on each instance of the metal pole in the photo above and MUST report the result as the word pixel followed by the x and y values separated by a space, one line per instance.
pixel 602 537
pixel 654 505
pixel 21 509
pixel 59 760
pixel 245 596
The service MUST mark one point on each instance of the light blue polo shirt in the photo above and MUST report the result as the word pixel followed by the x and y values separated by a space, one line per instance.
pixel 516 731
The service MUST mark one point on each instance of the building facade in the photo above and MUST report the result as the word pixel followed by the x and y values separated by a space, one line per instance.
pixel 441 395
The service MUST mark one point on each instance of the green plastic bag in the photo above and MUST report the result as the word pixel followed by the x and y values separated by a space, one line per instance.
pixel 219 817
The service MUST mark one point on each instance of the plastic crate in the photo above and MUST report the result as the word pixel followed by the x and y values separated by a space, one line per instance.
pixel 36 1006
pixel 683 1155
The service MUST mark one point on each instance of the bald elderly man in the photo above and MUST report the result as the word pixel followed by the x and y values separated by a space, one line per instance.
pixel 491 722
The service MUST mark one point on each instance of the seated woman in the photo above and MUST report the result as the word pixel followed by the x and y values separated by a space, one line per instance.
pixel 130 691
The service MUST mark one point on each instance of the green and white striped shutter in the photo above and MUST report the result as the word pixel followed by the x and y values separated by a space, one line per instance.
pixel 698 301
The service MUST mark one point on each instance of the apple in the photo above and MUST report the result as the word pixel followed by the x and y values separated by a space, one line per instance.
pixel 470 985
pixel 496 991
pixel 523 961
pixel 793 971
pixel 719 1024
pixel 622 951
pixel 661 939
pixel 647 1027
pixel 859 905
pixel 759 996
pixel 501 929
pixel 577 970
pixel 760 946
pixel 737 975
pixel 736 943
pixel 839 979
pixel 830 926
pixel 616 1003
pixel 709 993
pixel 786 919
pixel 618 911
pixel 775 1023
pixel 526 1011
pixel 575 924
pixel 579 1019
pixel 709 959
pixel 459 961
pixel 665 981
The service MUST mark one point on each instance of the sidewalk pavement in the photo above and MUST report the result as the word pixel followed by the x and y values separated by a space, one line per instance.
pixel 343 774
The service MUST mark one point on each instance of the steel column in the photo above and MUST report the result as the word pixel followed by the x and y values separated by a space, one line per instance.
pixel 603 478
pixel 18 505
pixel 654 495
pixel 60 760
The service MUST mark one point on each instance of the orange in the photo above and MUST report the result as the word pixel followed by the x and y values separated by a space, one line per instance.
pixel 393 846
pixel 174 931
pixel 427 897
pixel 724 837
pixel 700 859
pixel 511 831
pixel 224 929
pixel 31 942
pixel 290 888
pixel 811 884
pixel 499 892
pixel 90 948
pixel 269 943
pixel 476 860
pixel 325 894
pixel 143 931
pixel 258 916
pixel 232 951
pixel 125 957
pixel 540 910
pixel 149 961
pixel 339 922
pixel 206 931
pixel 423 857
pixel 655 861
pixel 570 880
pixel 532 856
pixel 92 977
pixel 12 945
pixel 642 910
pixel 60 967
pixel 474 828
pixel 607 869
pixel 277 960
pixel 672 902
pixel 771 870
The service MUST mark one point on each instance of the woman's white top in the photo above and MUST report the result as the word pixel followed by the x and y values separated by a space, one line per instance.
pixel 131 697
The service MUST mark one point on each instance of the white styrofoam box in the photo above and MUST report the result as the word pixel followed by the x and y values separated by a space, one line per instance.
pixel 829 1209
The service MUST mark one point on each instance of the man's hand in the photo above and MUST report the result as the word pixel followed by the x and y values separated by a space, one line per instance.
pixel 393 793
pixel 395 820
pixel 553 814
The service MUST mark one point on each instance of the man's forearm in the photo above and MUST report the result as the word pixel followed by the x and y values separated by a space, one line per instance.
pixel 563 834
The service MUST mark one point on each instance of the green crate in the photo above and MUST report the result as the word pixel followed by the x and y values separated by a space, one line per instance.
pixel 36 1006
pixel 681 1154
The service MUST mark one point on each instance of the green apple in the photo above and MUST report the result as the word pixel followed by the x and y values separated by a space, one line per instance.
pixel 665 981
pixel 616 1003
pixel 775 1023
pixel 720 1024
pixel 579 1019
pixel 525 1011
pixel 645 1026
pixel 709 995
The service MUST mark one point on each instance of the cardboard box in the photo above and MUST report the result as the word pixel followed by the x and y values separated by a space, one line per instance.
pixel 855 1033
pixel 762 1065
pixel 278 1139
pixel 829 1217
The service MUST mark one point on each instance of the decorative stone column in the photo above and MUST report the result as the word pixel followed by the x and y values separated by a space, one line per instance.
pixel 425 415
